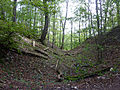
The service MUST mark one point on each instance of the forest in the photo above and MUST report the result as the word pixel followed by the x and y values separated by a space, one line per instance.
pixel 59 44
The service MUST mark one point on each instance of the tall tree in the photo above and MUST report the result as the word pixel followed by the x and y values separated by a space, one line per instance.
pixel 79 32
pixel 14 10
pixel 106 11
pixel 92 23
pixel 97 16
pixel 61 26
pixel 30 14
pixel 71 33
pixel 118 10
pixel 101 19
pixel 54 33
pixel 89 18
pixel 62 46
pixel 98 43
pixel 44 32
pixel 34 24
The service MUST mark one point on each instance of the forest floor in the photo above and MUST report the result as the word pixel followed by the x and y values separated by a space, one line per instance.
pixel 35 68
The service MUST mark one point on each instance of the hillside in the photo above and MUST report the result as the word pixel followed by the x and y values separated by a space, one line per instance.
pixel 39 67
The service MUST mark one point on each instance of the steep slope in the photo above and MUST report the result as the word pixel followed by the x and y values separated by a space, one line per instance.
pixel 86 55
pixel 32 67
pixel 107 40
pixel 38 67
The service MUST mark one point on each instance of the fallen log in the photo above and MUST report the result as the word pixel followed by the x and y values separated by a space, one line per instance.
pixel 34 54
pixel 42 52
pixel 29 53
pixel 46 49
pixel 88 75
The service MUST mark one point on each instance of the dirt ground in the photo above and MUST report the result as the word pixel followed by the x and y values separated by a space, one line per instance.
pixel 21 71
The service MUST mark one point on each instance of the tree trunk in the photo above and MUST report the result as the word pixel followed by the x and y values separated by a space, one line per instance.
pixel 71 33
pixel 89 19
pixel 44 32
pixel 60 31
pixel 98 24
pixel 79 32
pixel 118 11
pixel 74 36
pixel 48 35
pixel 29 14
pixel 53 41
pixel 106 10
pixel 14 11
pixel 86 31
pixel 34 19
pixel 92 25
pixel 101 16
pixel 99 52
pixel 86 26
pixel 62 46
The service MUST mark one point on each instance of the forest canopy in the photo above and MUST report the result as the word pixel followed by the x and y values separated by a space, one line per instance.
pixel 43 20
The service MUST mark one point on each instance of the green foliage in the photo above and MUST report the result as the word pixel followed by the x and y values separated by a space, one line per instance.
pixel 32 34
pixel 10 34
pixel 7 34
pixel 11 86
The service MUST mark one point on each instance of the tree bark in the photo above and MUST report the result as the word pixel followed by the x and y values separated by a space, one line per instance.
pixel 44 32
pixel 53 41
pixel 60 30
pixel 62 46
pixel 71 32
pixel 106 10
pixel 99 52
pixel 92 24
pixel 101 16
pixel 118 11
pixel 34 19
pixel 79 32
pixel 89 19
pixel 98 24
pixel 14 10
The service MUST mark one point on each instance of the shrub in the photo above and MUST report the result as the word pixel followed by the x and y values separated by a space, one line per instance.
pixel 8 32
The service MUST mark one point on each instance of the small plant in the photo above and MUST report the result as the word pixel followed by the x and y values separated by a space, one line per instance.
pixel 65 81
pixel 100 74
pixel 10 86
pixel 115 70
pixel 33 88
